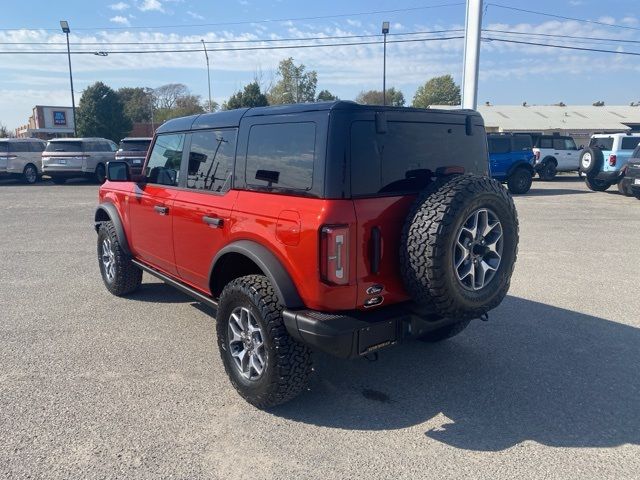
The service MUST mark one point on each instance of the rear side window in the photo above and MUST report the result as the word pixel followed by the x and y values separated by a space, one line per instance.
pixel 211 160
pixel 19 147
pixel 629 143
pixel 163 167
pixel 4 148
pixel 605 143
pixel 522 142
pixel 499 144
pixel 403 159
pixel 64 147
pixel 546 143
pixel 558 144
pixel 281 155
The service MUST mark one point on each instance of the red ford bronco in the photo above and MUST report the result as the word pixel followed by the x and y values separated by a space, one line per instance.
pixel 334 227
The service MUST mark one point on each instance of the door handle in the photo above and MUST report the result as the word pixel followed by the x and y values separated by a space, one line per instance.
pixel 213 221
pixel 161 209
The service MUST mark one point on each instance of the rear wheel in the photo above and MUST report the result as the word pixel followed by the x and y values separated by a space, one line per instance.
pixel 265 365
pixel 548 171
pixel 459 246
pixel 30 174
pixel 596 184
pixel 519 181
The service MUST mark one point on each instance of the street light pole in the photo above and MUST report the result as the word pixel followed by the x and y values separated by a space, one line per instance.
pixel 206 55
pixel 472 32
pixel 385 30
pixel 66 30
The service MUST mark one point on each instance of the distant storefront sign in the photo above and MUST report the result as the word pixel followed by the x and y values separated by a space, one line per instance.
pixel 59 117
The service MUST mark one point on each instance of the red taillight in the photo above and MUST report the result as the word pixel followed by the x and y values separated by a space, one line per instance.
pixel 612 160
pixel 334 254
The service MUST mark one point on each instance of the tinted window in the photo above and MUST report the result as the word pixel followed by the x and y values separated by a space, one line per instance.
pixel 636 152
pixel 93 147
pixel 499 144
pixel 558 144
pixel 629 143
pixel 19 147
pixel 546 143
pixel 281 155
pixel 163 167
pixel 605 143
pixel 135 145
pixel 211 160
pixel 522 142
pixel 569 144
pixel 37 146
pixel 403 159
pixel 64 147
pixel 4 148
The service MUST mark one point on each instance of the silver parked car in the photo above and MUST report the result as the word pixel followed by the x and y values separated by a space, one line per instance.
pixel 66 158
pixel 20 157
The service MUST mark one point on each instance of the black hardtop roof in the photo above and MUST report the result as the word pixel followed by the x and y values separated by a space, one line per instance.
pixel 231 118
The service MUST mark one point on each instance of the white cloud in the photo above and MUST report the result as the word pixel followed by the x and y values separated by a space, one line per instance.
pixel 120 6
pixel 607 19
pixel 119 19
pixel 150 5
pixel 354 23
pixel 195 15
pixel 576 3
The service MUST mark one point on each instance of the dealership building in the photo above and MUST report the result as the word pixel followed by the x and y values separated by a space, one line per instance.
pixel 577 121
pixel 48 122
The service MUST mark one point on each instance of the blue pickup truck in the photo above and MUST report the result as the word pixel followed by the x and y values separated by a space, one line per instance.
pixel 511 160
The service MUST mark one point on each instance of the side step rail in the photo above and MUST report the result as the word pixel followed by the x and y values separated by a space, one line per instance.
pixel 200 297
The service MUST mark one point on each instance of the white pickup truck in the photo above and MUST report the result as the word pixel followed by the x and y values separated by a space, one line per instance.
pixel 554 153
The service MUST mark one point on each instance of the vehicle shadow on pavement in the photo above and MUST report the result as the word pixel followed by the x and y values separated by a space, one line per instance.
pixel 159 292
pixel 550 192
pixel 533 372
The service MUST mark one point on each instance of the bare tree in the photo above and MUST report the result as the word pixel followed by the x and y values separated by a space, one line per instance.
pixel 166 96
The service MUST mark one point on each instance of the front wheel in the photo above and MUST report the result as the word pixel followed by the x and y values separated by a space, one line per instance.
pixel 30 174
pixel 119 274
pixel 596 184
pixel 519 181
pixel 265 365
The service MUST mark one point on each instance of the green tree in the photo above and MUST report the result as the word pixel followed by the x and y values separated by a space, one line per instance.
pixel 294 85
pixel 395 98
pixel 250 96
pixel 100 113
pixel 437 91
pixel 326 96
pixel 137 102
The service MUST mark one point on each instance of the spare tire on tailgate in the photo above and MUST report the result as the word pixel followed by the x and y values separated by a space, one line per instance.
pixel 459 245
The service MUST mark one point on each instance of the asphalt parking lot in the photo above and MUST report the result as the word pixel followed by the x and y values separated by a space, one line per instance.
pixel 94 386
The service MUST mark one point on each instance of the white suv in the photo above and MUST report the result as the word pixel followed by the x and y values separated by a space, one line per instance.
pixel 21 157
pixel 554 153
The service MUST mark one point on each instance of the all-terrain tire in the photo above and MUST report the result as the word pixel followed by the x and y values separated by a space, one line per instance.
pixel 288 362
pixel 591 160
pixel 548 171
pixel 519 181
pixel 444 333
pixel 125 277
pixel 429 240
pixel 596 185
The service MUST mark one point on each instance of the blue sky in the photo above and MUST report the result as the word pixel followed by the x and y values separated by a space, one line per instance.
pixel 509 73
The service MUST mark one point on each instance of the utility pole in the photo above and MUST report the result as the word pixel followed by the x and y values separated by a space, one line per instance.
pixel 472 32
pixel 206 55
pixel 385 31
pixel 66 30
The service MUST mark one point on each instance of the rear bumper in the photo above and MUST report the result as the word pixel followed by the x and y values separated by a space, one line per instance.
pixel 357 333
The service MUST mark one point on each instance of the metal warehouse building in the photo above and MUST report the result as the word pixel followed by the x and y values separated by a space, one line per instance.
pixel 579 122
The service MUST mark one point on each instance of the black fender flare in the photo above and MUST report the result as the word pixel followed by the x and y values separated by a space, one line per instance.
pixel 520 164
pixel 111 212
pixel 269 264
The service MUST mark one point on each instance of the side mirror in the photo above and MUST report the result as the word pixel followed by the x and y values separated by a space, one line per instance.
pixel 118 171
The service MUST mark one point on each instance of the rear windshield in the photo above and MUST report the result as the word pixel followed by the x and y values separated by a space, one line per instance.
pixel 603 143
pixel 403 159
pixel 629 143
pixel 134 145
pixel 64 147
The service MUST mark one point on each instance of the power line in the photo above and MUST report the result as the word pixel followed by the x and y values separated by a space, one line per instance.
pixel 230 49
pixel 553 35
pixel 217 42
pixel 562 17
pixel 249 22
pixel 566 47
